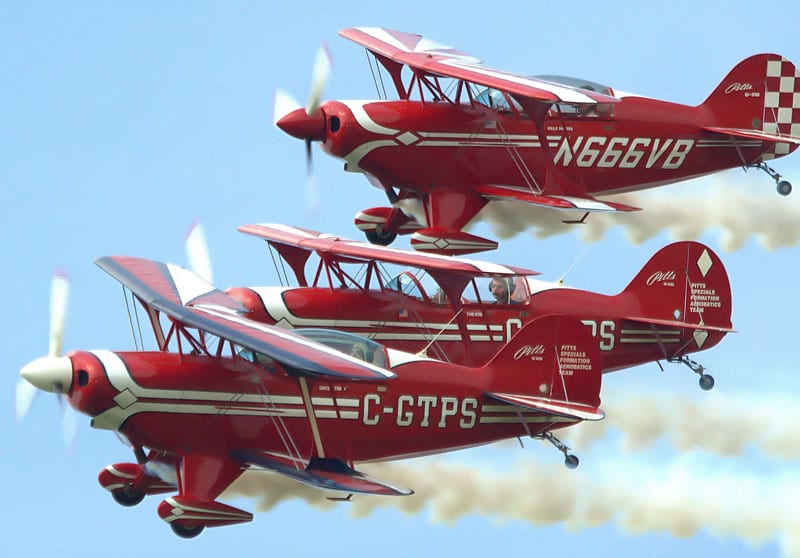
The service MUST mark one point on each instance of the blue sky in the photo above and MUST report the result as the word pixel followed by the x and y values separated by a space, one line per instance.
pixel 122 123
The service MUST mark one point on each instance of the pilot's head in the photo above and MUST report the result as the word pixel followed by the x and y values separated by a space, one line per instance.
pixel 501 289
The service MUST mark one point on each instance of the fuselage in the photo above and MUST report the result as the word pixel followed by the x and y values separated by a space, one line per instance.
pixel 634 144
pixel 414 322
pixel 217 405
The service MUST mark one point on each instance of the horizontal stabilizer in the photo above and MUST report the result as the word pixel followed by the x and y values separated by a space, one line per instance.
pixel 676 323
pixel 578 411
pixel 755 134
pixel 499 193
pixel 330 474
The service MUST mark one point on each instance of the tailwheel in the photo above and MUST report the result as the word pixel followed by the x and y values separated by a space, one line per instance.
pixel 379 237
pixel 706 381
pixel 186 531
pixel 126 497
pixel 784 187
pixel 571 461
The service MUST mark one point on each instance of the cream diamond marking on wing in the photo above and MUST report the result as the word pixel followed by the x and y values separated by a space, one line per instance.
pixel 704 262
pixel 407 138
pixel 125 399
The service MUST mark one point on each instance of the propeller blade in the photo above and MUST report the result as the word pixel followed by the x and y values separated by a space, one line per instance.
pixel 282 105
pixel 319 77
pixel 59 293
pixel 69 422
pixel 197 252
pixel 24 397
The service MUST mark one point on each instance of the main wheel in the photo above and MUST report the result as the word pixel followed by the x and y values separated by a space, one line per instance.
pixel 186 532
pixel 784 188
pixel 571 461
pixel 379 237
pixel 126 497
pixel 706 382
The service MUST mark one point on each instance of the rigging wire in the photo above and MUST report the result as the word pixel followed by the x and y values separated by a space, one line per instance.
pixel 130 319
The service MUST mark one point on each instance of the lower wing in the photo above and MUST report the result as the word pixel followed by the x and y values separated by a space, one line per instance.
pixel 331 474
pixel 587 203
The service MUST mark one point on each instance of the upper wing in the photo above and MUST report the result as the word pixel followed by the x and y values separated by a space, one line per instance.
pixel 188 299
pixel 423 54
pixel 329 244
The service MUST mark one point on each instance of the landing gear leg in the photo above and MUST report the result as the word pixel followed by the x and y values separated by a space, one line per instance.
pixel 784 187
pixel 571 461
pixel 706 380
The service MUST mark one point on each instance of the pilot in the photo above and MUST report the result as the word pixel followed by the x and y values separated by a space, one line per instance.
pixel 502 288
pixel 359 350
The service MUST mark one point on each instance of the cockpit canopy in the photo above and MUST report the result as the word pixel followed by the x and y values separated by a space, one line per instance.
pixel 502 102
pixel 579 83
pixel 348 343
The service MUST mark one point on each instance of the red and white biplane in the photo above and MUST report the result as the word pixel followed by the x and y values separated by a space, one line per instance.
pixel 679 303
pixel 461 134
pixel 223 394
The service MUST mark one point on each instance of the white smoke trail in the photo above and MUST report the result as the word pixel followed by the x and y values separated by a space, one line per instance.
pixel 680 499
pixel 739 206
pixel 724 425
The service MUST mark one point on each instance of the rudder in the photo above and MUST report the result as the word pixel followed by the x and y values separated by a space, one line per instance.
pixel 553 357
pixel 760 94
pixel 683 282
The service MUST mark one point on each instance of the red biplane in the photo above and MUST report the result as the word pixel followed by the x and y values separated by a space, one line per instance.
pixel 223 394
pixel 678 304
pixel 462 134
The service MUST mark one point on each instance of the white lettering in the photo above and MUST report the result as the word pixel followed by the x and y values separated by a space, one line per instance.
pixel 426 402
pixel 634 155
pixel 468 415
pixel 623 152
pixel 611 155
pixel 376 399
pixel 588 154
pixel 449 409
pixel 404 418
pixel 678 154
pixel 657 152
pixel 565 152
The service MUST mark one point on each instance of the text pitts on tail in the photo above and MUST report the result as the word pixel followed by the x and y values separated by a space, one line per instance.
pixel 461 135
pixel 678 304
pixel 224 394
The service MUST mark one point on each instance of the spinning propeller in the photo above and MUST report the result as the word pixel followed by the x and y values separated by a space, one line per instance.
pixel 197 253
pixel 52 372
pixel 306 123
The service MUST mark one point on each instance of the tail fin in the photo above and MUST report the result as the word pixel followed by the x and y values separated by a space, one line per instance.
pixel 683 284
pixel 552 364
pixel 756 100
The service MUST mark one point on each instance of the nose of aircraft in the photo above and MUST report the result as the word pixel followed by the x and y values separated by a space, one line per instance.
pixel 301 125
pixel 49 373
